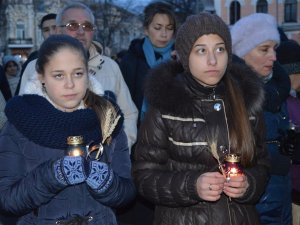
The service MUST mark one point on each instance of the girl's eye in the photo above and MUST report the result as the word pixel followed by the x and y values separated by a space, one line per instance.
pixel 201 50
pixel 157 28
pixel 58 76
pixel 170 28
pixel 220 49
pixel 79 74
pixel 264 49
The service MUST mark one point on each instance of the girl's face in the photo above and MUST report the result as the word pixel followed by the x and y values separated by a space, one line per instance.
pixel 160 31
pixel 65 78
pixel 262 58
pixel 208 59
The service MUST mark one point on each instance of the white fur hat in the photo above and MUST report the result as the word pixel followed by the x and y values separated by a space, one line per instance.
pixel 251 31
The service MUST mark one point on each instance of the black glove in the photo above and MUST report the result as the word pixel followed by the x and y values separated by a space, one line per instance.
pixel 288 142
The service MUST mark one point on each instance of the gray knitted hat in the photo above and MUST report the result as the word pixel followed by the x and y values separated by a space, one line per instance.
pixel 194 27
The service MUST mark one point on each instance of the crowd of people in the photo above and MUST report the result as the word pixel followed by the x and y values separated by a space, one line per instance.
pixel 153 130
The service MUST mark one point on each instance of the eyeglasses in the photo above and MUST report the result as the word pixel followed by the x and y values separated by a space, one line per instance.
pixel 74 26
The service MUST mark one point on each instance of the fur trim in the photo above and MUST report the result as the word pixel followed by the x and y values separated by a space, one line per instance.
pixel 165 88
pixel 165 91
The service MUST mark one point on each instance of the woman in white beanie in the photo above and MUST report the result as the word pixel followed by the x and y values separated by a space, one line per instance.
pixel 256 46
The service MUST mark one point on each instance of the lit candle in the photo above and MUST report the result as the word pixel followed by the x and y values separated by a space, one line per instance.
pixel 75 146
pixel 232 166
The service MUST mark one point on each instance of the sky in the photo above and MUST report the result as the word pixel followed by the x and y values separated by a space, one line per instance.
pixel 133 2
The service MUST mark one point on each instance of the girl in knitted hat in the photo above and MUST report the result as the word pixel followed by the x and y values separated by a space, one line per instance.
pixel 258 50
pixel 202 109
pixel 41 182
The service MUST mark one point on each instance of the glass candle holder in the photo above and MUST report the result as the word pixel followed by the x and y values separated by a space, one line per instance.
pixel 232 166
pixel 75 146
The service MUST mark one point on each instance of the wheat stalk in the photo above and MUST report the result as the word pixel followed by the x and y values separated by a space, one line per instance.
pixel 110 123
pixel 214 152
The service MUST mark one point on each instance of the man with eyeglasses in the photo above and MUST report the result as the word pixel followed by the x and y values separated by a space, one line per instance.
pixel 77 20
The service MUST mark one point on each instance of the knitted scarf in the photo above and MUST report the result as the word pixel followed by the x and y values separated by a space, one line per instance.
pixel 39 121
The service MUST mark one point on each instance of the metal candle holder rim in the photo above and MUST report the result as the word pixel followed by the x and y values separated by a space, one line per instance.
pixel 75 140
pixel 234 158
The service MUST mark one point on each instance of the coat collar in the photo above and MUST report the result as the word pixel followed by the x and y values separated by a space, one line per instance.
pixel 167 88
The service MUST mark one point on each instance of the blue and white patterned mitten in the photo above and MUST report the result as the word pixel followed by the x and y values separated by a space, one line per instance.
pixel 101 176
pixel 70 170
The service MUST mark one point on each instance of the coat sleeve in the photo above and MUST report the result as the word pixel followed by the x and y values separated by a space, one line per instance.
pixel 154 180
pixel 28 74
pixel 127 106
pixel 122 190
pixel 23 190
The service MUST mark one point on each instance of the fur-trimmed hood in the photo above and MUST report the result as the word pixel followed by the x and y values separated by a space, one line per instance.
pixel 166 88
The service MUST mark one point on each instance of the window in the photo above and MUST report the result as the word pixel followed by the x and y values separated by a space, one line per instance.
pixel 20 30
pixel 235 12
pixel 290 11
pixel 262 6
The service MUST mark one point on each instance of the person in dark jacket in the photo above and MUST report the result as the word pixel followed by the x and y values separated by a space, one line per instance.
pixel 156 47
pixel 288 55
pixel 43 183
pixel 258 50
pixel 143 54
pixel 201 110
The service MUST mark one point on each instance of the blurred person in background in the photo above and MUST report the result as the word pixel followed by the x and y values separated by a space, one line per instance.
pixel 48 27
pixel 288 54
pixel 12 70
pixel 155 48
pixel 258 50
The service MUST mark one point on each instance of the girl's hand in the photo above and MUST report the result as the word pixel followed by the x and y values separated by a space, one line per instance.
pixel 236 186
pixel 210 186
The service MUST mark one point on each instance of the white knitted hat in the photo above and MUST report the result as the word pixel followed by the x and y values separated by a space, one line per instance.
pixel 251 31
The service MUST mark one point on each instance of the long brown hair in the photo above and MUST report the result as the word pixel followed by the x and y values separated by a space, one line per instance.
pixel 100 106
pixel 241 134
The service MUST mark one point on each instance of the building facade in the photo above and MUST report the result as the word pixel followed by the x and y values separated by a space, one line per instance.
pixel 116 27
pixel 286 12
pixel 20 33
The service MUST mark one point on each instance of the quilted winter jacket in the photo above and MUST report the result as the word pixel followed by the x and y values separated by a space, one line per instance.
pixel 172 149
pixel 28 187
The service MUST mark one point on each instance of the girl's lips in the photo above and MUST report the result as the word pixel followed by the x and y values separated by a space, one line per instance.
pixel 71 96
pixel 212 72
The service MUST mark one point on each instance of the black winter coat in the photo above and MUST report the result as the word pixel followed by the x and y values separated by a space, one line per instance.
pixel 173 148
pixel 134 68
